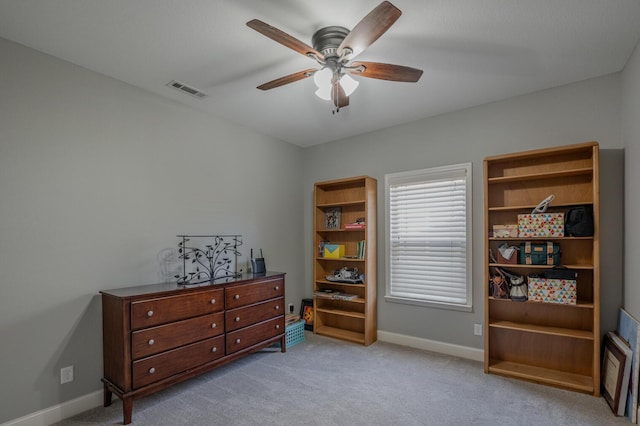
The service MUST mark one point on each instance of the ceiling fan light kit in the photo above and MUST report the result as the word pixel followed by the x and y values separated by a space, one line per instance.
pixel 333 49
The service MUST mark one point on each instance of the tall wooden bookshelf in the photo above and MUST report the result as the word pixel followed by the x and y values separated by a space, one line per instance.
pixel 355 319
pixel 548 343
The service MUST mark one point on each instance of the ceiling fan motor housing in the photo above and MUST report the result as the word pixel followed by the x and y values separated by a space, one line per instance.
pixel 327 40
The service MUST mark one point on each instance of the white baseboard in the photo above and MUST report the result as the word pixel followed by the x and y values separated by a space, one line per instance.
pixel 432 345
pixel 60 412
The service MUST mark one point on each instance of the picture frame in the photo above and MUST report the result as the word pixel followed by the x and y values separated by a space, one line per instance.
pixel 616 370
pixel 629 331
pixel 306 313
pixel 332 216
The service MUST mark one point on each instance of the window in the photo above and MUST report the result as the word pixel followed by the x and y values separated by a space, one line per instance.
pixel 428 237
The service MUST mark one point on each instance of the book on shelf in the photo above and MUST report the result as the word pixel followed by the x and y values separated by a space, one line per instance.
pixel 360 249
pixel 332 217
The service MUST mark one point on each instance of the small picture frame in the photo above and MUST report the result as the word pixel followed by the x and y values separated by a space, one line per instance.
pixel 306 313
pixel 332 217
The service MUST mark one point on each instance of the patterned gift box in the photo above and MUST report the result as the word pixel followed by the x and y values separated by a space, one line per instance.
pixel 552 291
pixel 334 251
pixel 541 225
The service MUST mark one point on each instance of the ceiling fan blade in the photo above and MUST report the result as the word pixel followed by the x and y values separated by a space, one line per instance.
pixel 283 38
pixel 338 96
pixel 296 76
pixel 370 28
pixel 389 72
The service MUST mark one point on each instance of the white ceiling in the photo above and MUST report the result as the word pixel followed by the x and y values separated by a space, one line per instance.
pixel 471 51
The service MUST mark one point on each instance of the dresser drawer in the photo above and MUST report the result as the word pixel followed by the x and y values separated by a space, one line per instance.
pixel 157 367
pixel 249 336
pixel 253 293
pixel 147 313
pixel 164 337
pixel 242 317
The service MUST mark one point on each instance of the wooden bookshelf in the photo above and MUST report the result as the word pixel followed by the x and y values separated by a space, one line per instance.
pixel 547 343
pixel 352 320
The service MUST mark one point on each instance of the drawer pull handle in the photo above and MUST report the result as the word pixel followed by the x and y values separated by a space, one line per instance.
pixel 277 326
pixel 237 341
pixel 151 341
pixel 237 296
pixel 277 308
pixel 150 313
pixel 276 288
pixel 152 370
pixel 237 319
pixel 214 349
pixel 214 325
pixel 213 301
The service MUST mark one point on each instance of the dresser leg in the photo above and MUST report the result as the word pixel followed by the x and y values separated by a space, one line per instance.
pixel 107 396
pixel 283 344
pixel 127 410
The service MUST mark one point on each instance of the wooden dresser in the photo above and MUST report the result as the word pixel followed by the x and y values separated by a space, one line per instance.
pixel 157 335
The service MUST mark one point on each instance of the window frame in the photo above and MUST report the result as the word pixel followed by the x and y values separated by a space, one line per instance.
pixel 424 175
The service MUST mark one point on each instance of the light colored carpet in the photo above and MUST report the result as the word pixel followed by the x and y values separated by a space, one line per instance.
pixel 325 381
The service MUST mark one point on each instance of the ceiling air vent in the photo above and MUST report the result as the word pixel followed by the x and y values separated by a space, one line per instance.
pixel 187 89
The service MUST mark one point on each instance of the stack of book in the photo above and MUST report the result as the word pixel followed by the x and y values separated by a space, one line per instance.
pixel 358 224
pixel 354 225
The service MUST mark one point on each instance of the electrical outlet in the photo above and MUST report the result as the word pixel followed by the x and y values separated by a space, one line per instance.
pixel 477 329
pixel 291 308
pixel 66 374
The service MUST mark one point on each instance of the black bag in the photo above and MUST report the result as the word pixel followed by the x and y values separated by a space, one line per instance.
pixel 540 253
pixel 561 273
pixel 578 222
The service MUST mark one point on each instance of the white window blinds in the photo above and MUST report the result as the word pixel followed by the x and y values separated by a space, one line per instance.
pixel 429 236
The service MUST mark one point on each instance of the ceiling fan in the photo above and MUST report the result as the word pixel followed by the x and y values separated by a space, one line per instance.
pixel 333 49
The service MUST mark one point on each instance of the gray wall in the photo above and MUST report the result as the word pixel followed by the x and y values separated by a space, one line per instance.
pixel 631 138
pixel 96 179
pixel 580 112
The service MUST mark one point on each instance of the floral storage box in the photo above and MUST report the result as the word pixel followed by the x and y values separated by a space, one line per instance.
pixel 552 291
pixel 541 225
pixel 505 231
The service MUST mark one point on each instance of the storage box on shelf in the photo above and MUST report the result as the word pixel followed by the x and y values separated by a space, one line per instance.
pixel 550 343
pixel 348 318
